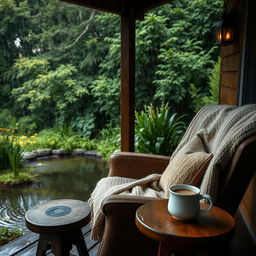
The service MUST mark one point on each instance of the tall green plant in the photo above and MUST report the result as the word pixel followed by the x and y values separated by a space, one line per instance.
pixel 10 152
pixel 15 156
pixel 4 158
pixel 158 131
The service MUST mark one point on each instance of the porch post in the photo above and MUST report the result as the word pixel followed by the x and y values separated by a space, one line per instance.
pixel 127 77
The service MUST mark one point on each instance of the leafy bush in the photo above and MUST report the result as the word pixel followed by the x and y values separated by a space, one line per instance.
pixel 84 125
pixel 55 138
pixel 198 98
pixel 7 234
pixel 27 124
pixel 158 132
pixel 7 119
pixel 109 141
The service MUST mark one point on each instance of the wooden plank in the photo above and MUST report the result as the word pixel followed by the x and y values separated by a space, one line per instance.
pixel 127 79
pixel 27 244
pixel 94 250
pixel 229 96
pixel 231 63
pixel 230 79
pixel 19 244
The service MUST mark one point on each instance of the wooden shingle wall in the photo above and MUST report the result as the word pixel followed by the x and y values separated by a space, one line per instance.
pixel 244 242
pixel 231 58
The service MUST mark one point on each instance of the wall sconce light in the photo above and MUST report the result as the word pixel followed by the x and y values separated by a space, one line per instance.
pixel 224 33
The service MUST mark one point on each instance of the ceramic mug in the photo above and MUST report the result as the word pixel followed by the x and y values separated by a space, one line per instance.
pixel 184 202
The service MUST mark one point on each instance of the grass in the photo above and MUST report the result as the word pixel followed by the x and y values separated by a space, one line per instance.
pixel 10 179
pixel 7 234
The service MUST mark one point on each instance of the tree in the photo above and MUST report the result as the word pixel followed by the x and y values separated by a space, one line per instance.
pixel 49 94
pixel 60 63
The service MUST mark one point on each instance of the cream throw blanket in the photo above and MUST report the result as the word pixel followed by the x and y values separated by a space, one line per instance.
pixel 147 186
pixel 221 127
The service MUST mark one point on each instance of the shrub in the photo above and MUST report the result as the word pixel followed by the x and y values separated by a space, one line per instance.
pixel 198 98
pixel 55 138
pixel 158 131
pixel 109 141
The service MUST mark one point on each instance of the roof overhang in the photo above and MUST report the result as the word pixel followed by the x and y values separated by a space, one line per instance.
pixel 119 6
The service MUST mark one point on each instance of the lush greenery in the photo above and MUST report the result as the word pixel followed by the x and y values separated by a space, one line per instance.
pixel 158 132
pixel 10 152
pixel 7 234
pixel 12 180
pixel 59 137
pixel 197 99
pixel 60 63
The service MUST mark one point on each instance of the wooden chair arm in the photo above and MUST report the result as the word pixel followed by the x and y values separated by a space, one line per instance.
pixel 136 165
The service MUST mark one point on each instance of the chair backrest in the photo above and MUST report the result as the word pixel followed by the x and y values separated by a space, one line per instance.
pixel 235 180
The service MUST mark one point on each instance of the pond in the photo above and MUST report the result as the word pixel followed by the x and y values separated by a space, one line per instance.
pixel 59 177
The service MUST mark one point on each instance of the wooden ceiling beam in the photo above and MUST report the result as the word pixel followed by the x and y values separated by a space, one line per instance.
pixel 116 6
pixel 143 6
pixel 106 5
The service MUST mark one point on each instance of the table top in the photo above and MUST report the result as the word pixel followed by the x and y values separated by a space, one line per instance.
pixel 154 220
pixel 57 216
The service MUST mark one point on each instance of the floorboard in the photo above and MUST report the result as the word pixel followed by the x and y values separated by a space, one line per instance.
pixel 26 245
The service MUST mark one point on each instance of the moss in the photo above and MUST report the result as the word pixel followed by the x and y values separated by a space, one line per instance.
pixel 10 179
pixel 7 234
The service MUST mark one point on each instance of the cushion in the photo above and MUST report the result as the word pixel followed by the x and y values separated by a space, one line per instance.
pixel 187 167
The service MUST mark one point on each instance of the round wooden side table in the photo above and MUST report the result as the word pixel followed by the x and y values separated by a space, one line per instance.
pixel 59 224
pixel 186 237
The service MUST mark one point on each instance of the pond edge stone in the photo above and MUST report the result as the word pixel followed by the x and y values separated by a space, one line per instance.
pixel 59 152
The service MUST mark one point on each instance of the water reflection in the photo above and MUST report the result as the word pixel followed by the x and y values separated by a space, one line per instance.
pixel 69 177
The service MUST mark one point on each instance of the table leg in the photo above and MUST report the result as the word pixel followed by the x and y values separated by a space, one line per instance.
pixel 163 250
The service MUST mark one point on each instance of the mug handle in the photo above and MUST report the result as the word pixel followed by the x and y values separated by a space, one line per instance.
pixel 207 197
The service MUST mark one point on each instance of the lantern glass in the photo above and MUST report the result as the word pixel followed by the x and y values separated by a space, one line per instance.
pixel 224 33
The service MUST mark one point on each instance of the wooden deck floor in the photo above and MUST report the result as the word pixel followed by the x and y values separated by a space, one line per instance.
pixel 26 245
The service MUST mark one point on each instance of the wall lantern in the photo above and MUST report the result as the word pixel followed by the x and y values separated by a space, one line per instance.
pixel 224 33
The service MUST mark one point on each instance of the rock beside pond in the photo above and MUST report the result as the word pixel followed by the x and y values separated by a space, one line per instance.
pixel 78 151
pixel 92 153
pixel 48 152
pixel 42 152
pixel 60 152
pixel 29 155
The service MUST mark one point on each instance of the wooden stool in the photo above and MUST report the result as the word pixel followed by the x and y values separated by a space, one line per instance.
pixel 59 224
pixel 185 237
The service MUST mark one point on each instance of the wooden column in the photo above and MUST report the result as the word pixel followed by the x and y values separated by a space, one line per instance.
pixel 127 77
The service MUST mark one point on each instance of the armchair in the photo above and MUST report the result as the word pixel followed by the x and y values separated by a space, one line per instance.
pixel 121 236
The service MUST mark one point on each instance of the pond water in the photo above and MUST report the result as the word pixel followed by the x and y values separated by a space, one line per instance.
pixel 59 177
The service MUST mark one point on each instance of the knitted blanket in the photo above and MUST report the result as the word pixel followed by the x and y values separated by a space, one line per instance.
pixel 221 128
pixel 147 186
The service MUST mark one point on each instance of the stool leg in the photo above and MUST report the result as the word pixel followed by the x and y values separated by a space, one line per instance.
pixel 42 245
pixel 60 247
pixel 80 244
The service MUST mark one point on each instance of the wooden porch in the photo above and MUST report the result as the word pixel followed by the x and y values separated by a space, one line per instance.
pixel 26 245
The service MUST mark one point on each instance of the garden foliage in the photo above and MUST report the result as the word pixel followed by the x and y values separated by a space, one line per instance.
pixel 10 152
pixel 158 131
pixel 60 63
